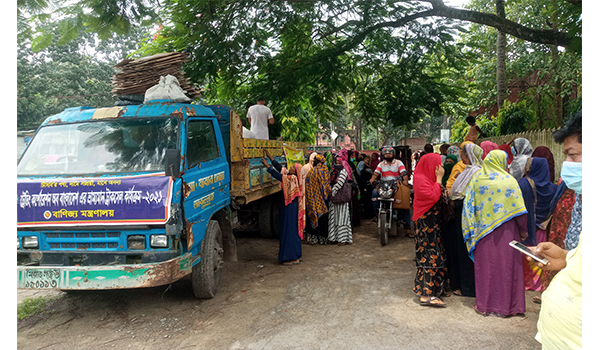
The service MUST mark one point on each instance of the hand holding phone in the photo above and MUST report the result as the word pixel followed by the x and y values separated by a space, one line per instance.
pixel 525 250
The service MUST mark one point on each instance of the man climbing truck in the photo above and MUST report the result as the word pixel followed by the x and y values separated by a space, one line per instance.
pixel 139 196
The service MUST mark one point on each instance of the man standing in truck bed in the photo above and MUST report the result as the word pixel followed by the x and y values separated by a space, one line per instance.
pixel 260 117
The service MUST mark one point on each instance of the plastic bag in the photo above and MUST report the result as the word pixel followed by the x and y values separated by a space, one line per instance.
pixel 247 134
pixel 167 89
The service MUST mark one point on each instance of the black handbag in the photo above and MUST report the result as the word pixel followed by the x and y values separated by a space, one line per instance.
pixel 344 195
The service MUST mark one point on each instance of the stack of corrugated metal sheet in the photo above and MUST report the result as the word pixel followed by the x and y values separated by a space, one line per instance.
pixel 134 77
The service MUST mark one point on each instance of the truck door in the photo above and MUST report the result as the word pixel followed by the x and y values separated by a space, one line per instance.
pixel 206 177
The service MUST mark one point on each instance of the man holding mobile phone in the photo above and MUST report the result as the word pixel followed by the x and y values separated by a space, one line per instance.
pixel 560 321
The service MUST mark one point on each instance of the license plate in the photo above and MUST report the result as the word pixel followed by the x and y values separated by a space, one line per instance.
pixel 41 278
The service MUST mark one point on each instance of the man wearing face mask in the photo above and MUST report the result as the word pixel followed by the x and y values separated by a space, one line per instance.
pixel 560 321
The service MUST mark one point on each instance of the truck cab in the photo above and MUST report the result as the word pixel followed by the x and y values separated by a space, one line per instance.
pixel 125 197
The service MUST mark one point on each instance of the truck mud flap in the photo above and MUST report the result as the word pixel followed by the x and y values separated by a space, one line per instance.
pixel 104 277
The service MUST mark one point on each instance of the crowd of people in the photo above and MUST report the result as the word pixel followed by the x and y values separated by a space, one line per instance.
pixel 469 203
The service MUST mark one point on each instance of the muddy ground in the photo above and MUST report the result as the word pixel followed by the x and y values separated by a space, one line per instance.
pixel 340 297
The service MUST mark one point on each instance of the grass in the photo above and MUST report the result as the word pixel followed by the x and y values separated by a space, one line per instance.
pixel 30 307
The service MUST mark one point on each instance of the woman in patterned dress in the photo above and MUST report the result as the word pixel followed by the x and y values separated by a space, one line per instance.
pixel 317 192
pixel 340 228
pixel 431 278
pixel 494 214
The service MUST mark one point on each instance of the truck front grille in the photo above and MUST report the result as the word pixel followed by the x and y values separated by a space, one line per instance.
pixel 84 240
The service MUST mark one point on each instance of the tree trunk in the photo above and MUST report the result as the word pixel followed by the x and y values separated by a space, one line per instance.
pixel 558 102
pixel 501 83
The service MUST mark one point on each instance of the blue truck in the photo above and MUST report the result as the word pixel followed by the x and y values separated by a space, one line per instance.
pixel 140 196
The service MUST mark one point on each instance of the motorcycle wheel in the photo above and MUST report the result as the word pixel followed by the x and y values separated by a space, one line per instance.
pixel 383 232
pixel 394 228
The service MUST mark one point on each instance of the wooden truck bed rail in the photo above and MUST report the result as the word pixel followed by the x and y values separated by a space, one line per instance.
pixel 250 180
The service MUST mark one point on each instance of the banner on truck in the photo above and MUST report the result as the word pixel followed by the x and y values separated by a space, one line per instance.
pixel 293 155
pixel 114 201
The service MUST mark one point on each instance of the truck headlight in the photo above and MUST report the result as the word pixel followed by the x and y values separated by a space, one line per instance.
pixel 137 242
pixel 30 242
pixel 159 241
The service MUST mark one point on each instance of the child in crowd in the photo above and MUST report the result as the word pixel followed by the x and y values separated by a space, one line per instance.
pixel 474 130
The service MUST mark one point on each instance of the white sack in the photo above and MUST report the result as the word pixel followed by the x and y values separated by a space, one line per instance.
pixel 167 89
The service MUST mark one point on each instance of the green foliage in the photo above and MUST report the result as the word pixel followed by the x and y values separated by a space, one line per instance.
pixel 30 307
pixel 489 126
pixel 459 130
pixel 78 73
pixel 514 118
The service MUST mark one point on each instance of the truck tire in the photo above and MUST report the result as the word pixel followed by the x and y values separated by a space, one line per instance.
pixel 206 274
pixel 276 200
pixel 265 222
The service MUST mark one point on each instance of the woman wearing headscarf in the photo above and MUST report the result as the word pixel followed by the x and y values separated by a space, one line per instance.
pixel 506 148
pixel 343 155
pixel 329 160
pixel 487 147
pixel 374 160
pixel 523 150
pixel 538 193
pixel 317 191
pixel 545 152
pixel 291 225
pixel 431 278
pixel 340 228
pixel 457 169
pixel 493 216
pixel 559 225
pixel 457 254
pixel 449 163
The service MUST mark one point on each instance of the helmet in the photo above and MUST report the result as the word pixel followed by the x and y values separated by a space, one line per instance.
pixel 388 149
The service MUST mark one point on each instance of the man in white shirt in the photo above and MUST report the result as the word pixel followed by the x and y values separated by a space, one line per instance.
pixel 260 117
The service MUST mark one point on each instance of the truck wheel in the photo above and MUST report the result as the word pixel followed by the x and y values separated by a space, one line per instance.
pixel 265 222
pixel 277 198
pixel 206 274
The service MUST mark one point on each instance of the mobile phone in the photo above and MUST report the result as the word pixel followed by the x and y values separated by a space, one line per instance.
pixel 525 250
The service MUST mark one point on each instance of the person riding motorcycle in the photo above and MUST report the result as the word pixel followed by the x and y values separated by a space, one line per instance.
pixel 388 169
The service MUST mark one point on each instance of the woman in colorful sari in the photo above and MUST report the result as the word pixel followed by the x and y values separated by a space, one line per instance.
pixel 523 150
pixel 291 226
pixel 458 256
pixel 340 229
pixel 317 191
pixel 431 278
pixel 563 203
pixel 494 214
pixel 538 193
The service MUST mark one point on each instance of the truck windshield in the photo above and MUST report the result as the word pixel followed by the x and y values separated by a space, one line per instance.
pixel 100 147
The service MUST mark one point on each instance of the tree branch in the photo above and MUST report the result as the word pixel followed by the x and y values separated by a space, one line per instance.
pixel 542 36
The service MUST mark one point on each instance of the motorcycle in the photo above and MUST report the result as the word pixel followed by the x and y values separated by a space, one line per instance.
pixel 387 221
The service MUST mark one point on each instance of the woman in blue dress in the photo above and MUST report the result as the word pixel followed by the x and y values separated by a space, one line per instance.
pixel 290 229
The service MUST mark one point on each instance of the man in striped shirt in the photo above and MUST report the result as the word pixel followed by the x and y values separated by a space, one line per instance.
pixel 390 168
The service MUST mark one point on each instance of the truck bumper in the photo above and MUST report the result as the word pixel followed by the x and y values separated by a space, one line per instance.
pixel 104 277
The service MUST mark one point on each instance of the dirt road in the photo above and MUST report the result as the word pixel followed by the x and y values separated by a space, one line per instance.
pixel 340 297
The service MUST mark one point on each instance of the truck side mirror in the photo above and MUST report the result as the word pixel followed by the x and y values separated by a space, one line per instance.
pixel 172 162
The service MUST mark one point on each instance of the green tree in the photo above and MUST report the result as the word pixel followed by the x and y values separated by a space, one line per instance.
pixel 78 73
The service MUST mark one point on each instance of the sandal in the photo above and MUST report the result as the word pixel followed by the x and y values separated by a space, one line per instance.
pixel 458 292
pixel 428 302
pixel 537 300
pixel 291 263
